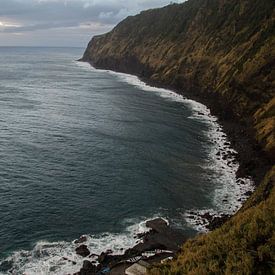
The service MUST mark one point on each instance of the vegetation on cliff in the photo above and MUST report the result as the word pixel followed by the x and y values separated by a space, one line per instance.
pixel 219 48
pixel 223 53
pixel 243 245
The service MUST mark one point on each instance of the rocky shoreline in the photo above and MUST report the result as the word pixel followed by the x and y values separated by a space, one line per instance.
pixel 253 161
pixel 159 243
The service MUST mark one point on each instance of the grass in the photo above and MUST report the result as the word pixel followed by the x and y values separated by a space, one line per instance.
pixel 243 245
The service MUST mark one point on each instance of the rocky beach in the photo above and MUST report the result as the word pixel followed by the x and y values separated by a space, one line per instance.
pixel 159 243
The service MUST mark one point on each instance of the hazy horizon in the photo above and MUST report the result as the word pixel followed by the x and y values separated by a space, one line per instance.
pixel 59 23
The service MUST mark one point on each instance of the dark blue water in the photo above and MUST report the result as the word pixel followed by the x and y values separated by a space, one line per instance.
pixel 85 151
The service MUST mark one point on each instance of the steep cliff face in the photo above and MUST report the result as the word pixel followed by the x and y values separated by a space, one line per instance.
pixel 221 52
pixel 222 49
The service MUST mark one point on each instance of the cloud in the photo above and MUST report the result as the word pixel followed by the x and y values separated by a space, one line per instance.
pixel 41 15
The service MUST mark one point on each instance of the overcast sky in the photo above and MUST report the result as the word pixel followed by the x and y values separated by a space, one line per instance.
pixel 64 22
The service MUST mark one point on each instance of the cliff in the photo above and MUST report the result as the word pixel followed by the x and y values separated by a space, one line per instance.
pixel 219 48
pixel 222 53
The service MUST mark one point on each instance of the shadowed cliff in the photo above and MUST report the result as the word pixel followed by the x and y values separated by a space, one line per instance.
pixel 221 52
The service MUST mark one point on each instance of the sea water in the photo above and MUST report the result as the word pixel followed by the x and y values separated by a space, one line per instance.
pixel 86 151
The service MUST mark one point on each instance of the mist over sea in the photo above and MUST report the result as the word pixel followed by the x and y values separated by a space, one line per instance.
pixel 85 151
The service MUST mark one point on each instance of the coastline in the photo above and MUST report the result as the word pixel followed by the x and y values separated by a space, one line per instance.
pixel 231 193
pixel 240 134
pixel 215 222
pixel 228 143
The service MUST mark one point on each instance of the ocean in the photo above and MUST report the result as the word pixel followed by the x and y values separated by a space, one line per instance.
pixel 94 152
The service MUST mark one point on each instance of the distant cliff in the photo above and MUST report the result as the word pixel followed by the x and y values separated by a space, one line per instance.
pixel 221 52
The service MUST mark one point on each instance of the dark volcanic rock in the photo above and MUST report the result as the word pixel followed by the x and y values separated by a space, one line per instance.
pixel 88 268
pixel 160 237
pixel 82 250
pixel 216 222
pixel 82 239
pixel 159 225
pixel 207 216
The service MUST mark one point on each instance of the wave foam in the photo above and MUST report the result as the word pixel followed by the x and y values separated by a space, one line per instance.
pixel 60 258
pixel 230 192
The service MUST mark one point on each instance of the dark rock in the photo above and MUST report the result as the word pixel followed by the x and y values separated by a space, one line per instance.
pixel 99 267
pixel 207 216
pixel 93 255
pixel 88 268
pixel 157 225
pixel 101 257
pixel 87 265
pixel 82 239
pixel 140 235
pixel 109 251
pixel 216 222
pixel 160 237
pixel 82 250
pixel 248 193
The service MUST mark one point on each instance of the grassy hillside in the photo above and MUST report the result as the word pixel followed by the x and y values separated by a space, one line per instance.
pixel 243 245
pixel 221 52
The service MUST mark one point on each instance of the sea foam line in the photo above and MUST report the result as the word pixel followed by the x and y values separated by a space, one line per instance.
pixel 60 258
pixel 230 192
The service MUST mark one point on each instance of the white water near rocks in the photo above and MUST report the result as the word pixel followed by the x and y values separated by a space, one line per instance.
pixel 60 257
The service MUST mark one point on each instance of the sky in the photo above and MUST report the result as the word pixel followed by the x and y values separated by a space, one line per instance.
pixel 64 22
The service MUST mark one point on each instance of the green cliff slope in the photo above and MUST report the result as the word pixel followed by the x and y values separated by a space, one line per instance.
pixel 221 52
pixel 219 48
pixel 243 245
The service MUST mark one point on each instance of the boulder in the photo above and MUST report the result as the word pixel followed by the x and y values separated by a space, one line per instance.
pixel 158 225
pixel 82 239
pixel 82 250
pixel 88 268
